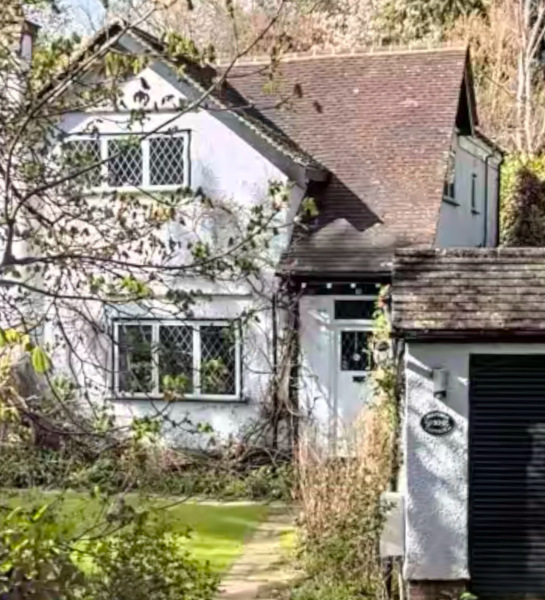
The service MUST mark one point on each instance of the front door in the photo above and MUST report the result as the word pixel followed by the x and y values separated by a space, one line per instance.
pixel 353 361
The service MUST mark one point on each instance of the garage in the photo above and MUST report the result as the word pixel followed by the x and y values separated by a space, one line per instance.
pixel 507 475
pixel 472 324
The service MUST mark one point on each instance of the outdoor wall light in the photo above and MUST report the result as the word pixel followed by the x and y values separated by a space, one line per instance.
pixel 382 352
pixel 440 383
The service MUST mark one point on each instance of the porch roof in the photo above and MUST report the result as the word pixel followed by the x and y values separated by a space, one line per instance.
pixel 461 292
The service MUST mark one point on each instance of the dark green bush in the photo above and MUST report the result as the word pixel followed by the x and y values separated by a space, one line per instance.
pixel 25 466
pixel 128 557
pixel 144 561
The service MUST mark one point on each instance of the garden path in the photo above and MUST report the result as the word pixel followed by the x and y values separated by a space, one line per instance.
pixel 264 566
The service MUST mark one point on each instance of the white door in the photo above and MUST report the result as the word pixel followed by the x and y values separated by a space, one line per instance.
pixel 353 360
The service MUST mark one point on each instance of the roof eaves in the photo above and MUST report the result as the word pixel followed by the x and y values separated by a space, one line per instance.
pixel 113 33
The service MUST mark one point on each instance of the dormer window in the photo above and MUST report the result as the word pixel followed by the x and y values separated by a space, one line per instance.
pixel 449 189
pixel 130 163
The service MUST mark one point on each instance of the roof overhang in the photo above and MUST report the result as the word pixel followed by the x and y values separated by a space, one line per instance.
pixel 295 164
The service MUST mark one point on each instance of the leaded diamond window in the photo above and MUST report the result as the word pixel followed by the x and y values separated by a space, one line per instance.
pixel 193 359
pixel 218 360
pixel 167 160
pixel 176 358
pixel 135 358
pixel 125 167
pixel 155 162
pixel 355 350
pixel 80 155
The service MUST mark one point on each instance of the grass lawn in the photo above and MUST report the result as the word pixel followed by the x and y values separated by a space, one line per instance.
pixel 217 531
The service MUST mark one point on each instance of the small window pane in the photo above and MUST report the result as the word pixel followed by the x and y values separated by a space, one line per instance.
pixel 355 355
pixel 218 360
pixel 167 160
pixel 176 358
pixel 474 192
pixel 354 309
pixel 135 358
pixel 125 168
pixel 80 154
pixel 449 187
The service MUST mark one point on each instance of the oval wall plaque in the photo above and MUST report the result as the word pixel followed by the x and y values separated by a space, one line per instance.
pixel 437 423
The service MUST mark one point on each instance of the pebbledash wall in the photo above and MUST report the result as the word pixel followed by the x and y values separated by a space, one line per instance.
pixel 434 478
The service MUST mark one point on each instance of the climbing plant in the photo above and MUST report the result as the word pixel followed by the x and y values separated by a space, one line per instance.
pixel 341 493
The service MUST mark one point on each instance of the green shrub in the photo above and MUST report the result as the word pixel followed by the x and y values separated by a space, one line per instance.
pixel 128 556
pixel 35 559
pixel 143 562
pixel 25 466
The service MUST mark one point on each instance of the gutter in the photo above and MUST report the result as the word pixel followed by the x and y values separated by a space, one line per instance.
pixel 498 200
pixel 485 228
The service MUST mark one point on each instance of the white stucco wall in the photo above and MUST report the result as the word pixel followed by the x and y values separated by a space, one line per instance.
pixel 231 171
pixel 459 225
pixel 328 410
pixel 435 470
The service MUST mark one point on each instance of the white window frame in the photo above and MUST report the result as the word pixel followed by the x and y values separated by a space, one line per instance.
pixel 451 198
pixel 473 193
pixel 104 138
pixel 196 326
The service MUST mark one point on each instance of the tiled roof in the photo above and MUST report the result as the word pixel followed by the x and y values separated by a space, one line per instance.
pixel 381 124
pixel 440 292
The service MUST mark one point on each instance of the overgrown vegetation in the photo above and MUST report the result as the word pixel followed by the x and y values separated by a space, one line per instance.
pixel 523 201
pixel 127 555
pixel 154 470
pixel 340 495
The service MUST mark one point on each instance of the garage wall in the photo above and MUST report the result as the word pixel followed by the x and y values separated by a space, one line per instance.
pixel 435 470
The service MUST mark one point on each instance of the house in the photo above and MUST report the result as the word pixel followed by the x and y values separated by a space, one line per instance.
pixel 473 479
pixel 386 143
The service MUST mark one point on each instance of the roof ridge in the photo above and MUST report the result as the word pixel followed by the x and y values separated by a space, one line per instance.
pixel 342 52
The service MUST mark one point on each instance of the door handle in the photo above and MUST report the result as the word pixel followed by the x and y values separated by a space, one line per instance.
pixel 359 378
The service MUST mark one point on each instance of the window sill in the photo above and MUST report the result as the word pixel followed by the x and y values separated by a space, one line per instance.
pixel 135 191
pixel 187 399
pixel 450 201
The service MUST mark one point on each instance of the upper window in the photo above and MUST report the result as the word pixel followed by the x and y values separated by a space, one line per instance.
pixel 192 359
pixel 449 190
pixel 474 207
pixel 157 162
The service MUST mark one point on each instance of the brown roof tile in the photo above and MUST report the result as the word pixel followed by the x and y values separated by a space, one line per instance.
pixel 471 290
pixel 381 124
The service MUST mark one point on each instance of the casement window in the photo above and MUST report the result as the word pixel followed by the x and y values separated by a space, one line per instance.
pixel 189 359
pixel 157 162
pixel 449 188
pixel 474 207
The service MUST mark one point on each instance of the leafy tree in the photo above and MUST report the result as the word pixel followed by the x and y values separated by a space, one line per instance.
pixel 69 257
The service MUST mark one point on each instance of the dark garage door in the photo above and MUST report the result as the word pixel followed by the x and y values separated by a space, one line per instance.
pixel 507 476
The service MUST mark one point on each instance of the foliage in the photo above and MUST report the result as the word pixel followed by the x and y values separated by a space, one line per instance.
pixel 155 470
pixel 211 532
pixel 84 243
pixel 142 562
pixel 34 559
pixel 340 489
pixel 402 21
pixel 523 201
pixel 42 556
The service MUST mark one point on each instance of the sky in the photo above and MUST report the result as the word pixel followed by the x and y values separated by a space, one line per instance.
pixel 86 15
